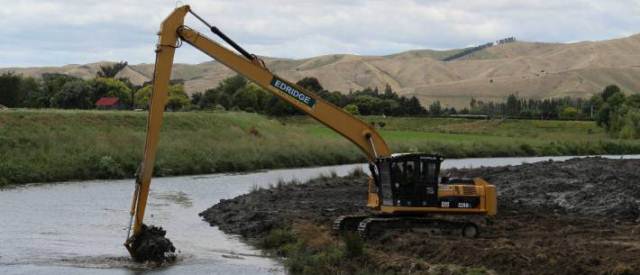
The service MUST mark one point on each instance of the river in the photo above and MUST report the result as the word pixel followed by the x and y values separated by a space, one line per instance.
pixel 79 227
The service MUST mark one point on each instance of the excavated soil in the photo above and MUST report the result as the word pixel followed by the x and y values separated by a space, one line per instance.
pixel 580 216
pixel 152 246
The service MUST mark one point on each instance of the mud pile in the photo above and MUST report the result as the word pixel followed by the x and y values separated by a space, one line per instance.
pixel 320 200
pixel 573 217
pixel 589 187
pixel 151 245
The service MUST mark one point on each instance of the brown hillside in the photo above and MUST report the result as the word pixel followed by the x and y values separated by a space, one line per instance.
pixel 536 70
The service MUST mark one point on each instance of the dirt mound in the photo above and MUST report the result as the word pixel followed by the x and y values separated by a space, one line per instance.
pixel 152 246
pixel 572 217
pixel 588 186
pixel 320 200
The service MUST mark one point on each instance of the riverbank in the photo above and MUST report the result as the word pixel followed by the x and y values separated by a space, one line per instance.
pixel 59 145
pixel 579 216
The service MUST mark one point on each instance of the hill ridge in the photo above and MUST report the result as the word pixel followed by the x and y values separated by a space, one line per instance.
pixel 529 69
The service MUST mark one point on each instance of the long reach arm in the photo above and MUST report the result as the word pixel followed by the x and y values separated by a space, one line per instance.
pixel 172 30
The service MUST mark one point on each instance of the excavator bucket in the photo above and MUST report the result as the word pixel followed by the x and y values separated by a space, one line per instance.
pixel 151 245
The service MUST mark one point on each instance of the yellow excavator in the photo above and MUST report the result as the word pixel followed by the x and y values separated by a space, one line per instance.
pixel 404 190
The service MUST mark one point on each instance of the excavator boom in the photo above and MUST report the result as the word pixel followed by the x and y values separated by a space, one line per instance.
pixel 406 184
pixel 172 30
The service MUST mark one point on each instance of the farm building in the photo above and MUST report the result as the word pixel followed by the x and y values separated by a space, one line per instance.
pixel 109 103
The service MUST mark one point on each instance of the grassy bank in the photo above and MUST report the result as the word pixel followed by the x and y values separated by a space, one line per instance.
pixel 55 145
pixel 459 138
pixel 309 248
pixel 43 146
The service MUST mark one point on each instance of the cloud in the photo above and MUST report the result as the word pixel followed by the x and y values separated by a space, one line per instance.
pixel 57 32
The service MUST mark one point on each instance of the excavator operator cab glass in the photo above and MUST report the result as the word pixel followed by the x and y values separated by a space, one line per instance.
pixel 408 180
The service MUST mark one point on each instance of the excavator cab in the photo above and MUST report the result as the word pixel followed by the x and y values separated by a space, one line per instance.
pixel 408 179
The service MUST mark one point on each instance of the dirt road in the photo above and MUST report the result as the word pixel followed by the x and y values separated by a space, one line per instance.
pixel 580 216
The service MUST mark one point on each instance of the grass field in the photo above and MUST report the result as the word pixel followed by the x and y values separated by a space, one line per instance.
pixel 457 138
pixel 56 145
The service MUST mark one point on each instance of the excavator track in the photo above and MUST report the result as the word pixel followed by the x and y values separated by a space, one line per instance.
pixel 348 223
pixel 368 226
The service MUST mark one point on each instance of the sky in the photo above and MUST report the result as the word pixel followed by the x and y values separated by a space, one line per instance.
pixel 59 32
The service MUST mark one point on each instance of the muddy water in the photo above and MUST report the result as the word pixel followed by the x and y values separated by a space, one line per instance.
pixel 79 227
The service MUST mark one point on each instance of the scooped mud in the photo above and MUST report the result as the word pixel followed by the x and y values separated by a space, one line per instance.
pixel 588 187
pixel 151 245
pixel 321 200
pixel 574 217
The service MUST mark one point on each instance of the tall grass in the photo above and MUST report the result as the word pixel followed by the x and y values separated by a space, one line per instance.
pixel 57 145
pixel 44 146
pixel 459 138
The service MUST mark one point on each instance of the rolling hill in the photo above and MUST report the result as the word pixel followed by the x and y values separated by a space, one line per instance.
pixel 529 69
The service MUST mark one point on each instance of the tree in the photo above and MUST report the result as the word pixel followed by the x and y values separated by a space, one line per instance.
pixel 610 109
pixel 435 109
pixel 142 97
pixel 178 98
pixel 352 109
pixel 368 105
pixel 311 84
pixel 225 100
pixel 110 71
pixel 196 98
pixel 247 98
pixel 52 84
pixel 388 92
pixel 631 124
pixel 209 98
pixel 232 84
pixel 569 113
pixel 633 101
pixel 75 94
pixel 610 91
pixel 278 107
pixel 387 106
pixel 10 89
pixel 513 106
pixel 34 95
pixel 414 107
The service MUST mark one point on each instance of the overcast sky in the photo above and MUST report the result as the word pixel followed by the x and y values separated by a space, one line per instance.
pixel 58 32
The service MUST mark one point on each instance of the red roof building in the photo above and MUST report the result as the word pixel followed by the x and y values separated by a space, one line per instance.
pixel 108 103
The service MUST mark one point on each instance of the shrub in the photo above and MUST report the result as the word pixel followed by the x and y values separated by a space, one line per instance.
pixel 109 168
pixel 277 238
pixel 353 244
pixel 527 149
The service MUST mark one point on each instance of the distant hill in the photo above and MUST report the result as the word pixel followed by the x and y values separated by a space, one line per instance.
pixel 529 69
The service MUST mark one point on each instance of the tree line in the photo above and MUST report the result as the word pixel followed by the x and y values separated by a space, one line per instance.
pixel 238 93
pixel 54 90
pixel 234 93
pixel 516 107
pixel 617 113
